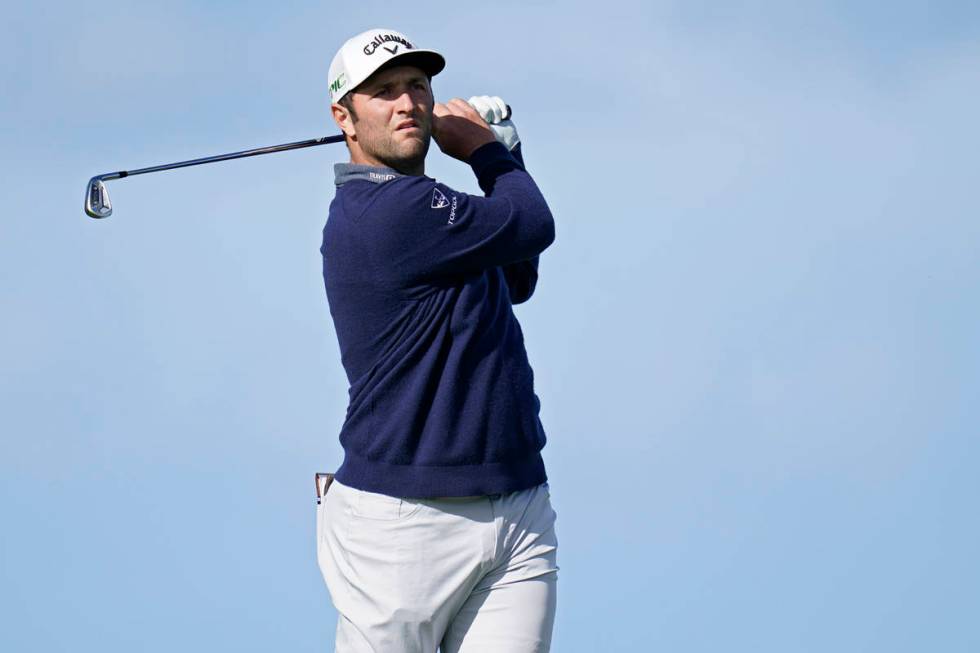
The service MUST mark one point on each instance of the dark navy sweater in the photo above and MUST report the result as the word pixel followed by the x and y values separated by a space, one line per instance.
pixel 420 279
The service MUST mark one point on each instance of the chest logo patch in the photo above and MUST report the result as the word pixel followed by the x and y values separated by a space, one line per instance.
pixel 439 200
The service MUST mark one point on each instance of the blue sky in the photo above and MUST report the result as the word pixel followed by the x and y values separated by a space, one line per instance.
pixel 754 338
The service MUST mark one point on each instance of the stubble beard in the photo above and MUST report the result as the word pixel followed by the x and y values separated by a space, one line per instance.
pixel 404 154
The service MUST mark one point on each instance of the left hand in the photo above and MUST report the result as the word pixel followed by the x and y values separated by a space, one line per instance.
pixel 494 111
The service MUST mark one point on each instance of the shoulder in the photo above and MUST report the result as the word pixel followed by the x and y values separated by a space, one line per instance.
pixel 410 196
pixel 412 188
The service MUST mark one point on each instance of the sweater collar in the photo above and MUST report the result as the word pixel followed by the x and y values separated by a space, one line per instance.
pixel 344 172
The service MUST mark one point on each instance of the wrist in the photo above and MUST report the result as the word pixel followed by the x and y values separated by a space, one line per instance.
pixel 480 144
pixel 491 159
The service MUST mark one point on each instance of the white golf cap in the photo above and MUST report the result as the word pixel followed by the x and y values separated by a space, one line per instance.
pixel 363 55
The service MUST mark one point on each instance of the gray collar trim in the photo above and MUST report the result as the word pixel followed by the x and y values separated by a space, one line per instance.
pixel 345 172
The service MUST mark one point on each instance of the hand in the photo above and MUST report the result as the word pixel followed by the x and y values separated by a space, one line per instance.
pixel 458 129
pixel 495 112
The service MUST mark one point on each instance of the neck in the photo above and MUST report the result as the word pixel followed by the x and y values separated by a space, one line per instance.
pixel 416 168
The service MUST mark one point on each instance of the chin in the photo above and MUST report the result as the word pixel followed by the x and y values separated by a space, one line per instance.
pixel 416 151
pixel 410 154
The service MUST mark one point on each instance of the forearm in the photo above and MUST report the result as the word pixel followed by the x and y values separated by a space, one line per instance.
pixel 521 276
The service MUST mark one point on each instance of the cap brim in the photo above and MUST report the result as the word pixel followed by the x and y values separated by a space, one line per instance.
pixel 430 61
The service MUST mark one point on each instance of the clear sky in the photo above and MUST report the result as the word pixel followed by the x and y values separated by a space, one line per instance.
pixel 755 338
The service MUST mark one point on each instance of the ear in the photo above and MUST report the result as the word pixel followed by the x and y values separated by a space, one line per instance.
pixel 342 117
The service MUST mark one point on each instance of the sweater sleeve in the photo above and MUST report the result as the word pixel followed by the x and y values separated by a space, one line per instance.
pixel 521 277
pixel 419 230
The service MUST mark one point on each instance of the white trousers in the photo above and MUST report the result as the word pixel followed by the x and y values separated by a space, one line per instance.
pixel 464 574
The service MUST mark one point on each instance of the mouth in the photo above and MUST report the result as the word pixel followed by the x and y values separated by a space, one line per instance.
pixel 407 125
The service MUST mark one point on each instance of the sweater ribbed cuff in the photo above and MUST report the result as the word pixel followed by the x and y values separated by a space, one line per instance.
pixel 492 159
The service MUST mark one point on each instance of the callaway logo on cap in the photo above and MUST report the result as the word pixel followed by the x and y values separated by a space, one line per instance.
pixel 363 55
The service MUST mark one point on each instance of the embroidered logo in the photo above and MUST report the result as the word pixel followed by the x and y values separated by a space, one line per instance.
pixel 380 39
pixel 391 50
pixel 439 200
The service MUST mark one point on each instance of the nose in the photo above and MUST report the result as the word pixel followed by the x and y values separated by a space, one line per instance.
pixel 404 103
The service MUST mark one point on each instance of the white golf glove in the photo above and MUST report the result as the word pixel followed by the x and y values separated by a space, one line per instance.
pixel 494 111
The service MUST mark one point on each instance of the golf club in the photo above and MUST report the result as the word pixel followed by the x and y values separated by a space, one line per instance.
pixel 98 205
pixel 97 202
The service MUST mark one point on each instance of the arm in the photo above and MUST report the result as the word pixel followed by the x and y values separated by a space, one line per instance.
pixel 419 231
pixel 521 277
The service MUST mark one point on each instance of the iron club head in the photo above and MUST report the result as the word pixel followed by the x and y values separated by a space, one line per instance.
pixel 97 202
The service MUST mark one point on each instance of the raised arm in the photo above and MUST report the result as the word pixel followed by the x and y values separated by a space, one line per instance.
pixel 522 276
pixel 419 230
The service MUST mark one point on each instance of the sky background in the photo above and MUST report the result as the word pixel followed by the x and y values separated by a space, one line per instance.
pixel 755 338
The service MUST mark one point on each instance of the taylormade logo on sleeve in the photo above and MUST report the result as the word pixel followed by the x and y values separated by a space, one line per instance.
pixel 439 200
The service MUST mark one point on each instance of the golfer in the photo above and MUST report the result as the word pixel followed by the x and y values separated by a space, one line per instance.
pixel 437 530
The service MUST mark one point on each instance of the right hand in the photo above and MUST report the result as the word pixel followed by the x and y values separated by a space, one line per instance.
pixel 458 129
pixel 497 114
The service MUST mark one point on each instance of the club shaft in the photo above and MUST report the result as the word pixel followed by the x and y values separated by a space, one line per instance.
pixel 323 140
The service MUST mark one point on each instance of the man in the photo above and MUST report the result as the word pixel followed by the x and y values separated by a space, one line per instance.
pixel 437 530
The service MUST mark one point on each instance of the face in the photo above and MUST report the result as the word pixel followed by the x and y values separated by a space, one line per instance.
pixel 394 119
